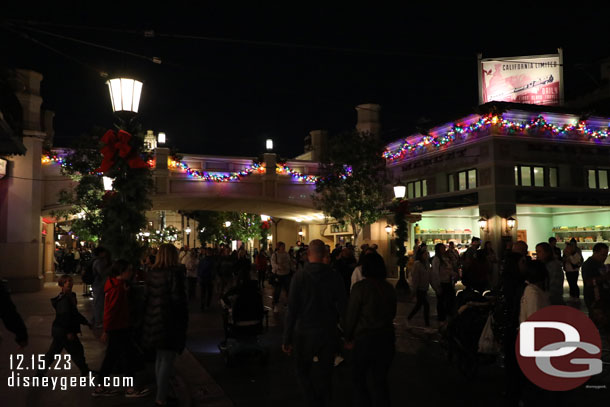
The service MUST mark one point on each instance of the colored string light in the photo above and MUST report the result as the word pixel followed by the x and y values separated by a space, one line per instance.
pixel 537 126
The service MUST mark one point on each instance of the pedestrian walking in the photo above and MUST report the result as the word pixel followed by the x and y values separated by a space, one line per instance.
pixel 316 301
pixel 66 327
pixel 421 283
pixel 572 261
pixel 554 284
pixel 205 274
pixel 166 315
pixel 117 331
pixel 191 261
pixel 369 331
pixel 280 266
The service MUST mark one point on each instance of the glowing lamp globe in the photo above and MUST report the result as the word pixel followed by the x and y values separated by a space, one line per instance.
pixel 125 94
pixel 400 191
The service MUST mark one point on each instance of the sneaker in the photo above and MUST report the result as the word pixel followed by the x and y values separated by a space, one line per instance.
pixel 133 393
pixel 338 360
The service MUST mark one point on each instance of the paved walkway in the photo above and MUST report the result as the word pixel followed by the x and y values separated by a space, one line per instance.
pixel 194 386
pixel 420 374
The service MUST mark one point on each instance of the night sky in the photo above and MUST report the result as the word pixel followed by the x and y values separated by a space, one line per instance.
pixel 226 97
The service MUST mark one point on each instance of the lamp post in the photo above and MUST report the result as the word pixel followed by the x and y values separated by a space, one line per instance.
pixel 400 219
pixel 124 166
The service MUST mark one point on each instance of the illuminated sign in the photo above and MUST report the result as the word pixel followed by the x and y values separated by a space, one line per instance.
pixel 536 80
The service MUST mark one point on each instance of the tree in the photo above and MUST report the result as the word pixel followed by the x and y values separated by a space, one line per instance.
pixel 212 229
pixel 353 175
pixel 84 201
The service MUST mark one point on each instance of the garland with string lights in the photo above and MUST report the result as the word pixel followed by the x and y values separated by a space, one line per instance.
pixel 537 126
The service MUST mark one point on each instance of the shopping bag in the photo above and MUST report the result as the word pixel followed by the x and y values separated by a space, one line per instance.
pixel 487 341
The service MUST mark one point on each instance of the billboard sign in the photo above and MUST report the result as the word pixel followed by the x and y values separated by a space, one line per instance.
pixel 536 80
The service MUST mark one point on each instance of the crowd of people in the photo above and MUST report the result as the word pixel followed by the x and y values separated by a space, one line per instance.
pixel 336 301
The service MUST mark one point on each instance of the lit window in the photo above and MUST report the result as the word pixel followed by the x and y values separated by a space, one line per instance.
pixel 462 181
pixel 538 176
pixel 418 189
pixel 592 180
pixel 516 175
pixel 451 182
pixel 526 177
pixel 553 177
pixel 603 179
pixel 411 194
pixel 472 179
pixel 424 188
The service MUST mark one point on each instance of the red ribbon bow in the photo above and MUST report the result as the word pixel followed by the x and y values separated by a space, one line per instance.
pixel 119 142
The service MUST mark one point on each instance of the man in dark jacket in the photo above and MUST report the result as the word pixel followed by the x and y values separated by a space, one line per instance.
pixel 316 302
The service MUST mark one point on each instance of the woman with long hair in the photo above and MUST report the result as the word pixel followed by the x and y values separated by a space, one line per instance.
pixel 166 316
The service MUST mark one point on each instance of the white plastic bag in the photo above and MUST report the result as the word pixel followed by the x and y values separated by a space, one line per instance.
pixel 487 341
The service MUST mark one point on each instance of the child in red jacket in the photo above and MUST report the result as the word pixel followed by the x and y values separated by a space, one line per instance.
pixel 117 332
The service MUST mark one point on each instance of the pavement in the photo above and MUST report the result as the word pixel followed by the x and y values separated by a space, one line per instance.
pixel 420 373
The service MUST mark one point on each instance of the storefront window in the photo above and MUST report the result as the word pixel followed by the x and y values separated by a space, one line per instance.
pixel 526 177
pixel 451 182
pixel 424 188
pixel 553 177
pixel 411 191
pixel 418 189
pixel 538 176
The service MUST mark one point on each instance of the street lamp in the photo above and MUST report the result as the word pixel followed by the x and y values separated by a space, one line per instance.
pixel 511 223
pixel 400 220
pixel 161 138
pixel 400 191
pixel 227 224
pixel 483 224
pixel 125 94
pixel 269 144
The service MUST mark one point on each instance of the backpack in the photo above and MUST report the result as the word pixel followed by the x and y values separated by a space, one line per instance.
pixel 88 276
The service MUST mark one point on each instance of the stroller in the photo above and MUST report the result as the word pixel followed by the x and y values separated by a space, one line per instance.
pixel 243 314
pixel 461 337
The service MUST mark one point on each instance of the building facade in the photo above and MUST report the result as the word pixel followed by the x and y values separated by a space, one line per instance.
pixel 546 168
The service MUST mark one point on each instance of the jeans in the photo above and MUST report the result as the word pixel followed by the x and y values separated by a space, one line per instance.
pixel 444 305
pixel 316 387
pixel 74 347
pixel 572 277
pixel 282 282
pixel 373 356
pixel 422 299
pixel 192 287
pixel 207 289
pixel 118 351
pixel 164 367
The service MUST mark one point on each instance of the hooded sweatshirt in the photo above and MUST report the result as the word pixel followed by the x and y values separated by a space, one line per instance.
pixel 116 305
pixel 316 302
pixel 67 318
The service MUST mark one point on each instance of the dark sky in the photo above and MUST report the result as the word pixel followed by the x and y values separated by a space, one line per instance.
pixel 216 97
